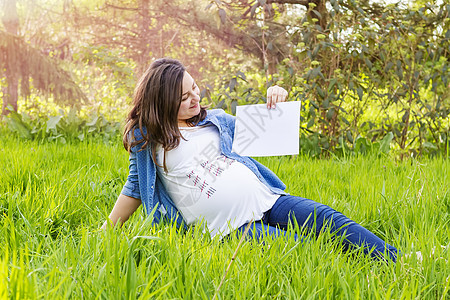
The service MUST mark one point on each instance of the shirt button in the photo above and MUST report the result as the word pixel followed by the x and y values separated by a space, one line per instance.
pixel 152 186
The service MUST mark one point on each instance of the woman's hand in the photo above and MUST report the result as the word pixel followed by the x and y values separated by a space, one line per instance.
pixel 275 94
pixel 125 206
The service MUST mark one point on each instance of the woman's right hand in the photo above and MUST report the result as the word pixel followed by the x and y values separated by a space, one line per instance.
pixel 125 206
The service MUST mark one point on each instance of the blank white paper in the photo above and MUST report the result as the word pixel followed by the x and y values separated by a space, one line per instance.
pixel 267 132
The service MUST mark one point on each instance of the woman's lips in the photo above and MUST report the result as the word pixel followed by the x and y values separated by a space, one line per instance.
pixel 195 106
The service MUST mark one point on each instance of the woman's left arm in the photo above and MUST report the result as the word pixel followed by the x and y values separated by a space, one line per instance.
pixel 275 94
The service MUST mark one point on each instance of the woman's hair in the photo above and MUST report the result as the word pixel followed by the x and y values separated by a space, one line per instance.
pixel 156 102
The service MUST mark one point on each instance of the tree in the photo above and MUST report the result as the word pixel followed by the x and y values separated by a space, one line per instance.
pixel 20 62
pixel 338 53
pixel 11 22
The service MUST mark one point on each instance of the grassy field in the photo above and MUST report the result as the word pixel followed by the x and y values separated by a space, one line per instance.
pixel 53 199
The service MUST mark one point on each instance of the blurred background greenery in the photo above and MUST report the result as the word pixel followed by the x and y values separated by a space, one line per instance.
pixel 371 76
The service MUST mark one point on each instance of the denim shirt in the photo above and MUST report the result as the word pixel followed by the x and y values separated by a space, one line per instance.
pixel 144 183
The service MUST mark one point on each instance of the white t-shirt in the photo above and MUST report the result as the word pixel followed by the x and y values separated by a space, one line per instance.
pixel 206 185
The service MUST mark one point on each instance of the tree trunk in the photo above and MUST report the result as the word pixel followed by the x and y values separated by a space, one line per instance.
pixel 144 20
pixel 10 20
pixel 323 11
pixel 10 92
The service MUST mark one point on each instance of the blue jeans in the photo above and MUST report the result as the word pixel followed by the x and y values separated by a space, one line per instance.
pixel 318 217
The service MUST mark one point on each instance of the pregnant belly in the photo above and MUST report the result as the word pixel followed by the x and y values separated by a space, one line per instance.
pixel 234 193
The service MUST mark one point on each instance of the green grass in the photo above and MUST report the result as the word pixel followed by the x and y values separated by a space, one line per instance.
pixel 53 199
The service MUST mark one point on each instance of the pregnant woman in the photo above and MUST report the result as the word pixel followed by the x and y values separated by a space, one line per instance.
pixel 182 168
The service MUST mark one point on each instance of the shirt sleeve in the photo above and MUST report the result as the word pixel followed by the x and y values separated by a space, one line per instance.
pixel 131 187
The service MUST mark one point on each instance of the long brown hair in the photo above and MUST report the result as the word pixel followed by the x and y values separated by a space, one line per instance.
pixel 156 103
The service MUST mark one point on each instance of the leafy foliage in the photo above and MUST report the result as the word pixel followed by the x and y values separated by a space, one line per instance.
pixel 361 70
pixel 63 128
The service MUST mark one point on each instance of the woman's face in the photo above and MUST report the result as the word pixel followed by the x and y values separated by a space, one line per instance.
pixel 189 106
